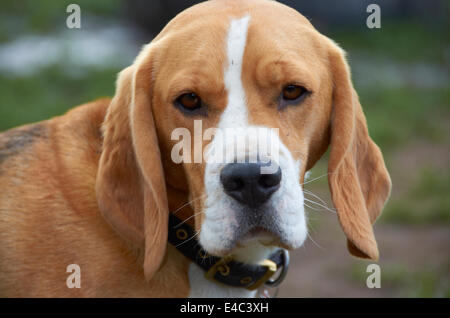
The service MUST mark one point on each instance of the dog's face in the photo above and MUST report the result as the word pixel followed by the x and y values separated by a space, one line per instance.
pixel 244 74
pixel 243 68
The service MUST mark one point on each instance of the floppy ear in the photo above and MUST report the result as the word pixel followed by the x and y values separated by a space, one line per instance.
pixel 358 179
pixel 130 183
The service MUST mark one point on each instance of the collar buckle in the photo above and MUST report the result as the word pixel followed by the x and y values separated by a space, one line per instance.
pixel 271 269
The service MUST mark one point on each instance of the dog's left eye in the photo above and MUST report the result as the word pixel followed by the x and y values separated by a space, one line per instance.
pixel 189 101
pixel 293 92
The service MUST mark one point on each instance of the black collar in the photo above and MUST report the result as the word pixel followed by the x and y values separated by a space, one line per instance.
pixel 226 270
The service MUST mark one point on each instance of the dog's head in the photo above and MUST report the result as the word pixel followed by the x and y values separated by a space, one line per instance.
pixel 233 71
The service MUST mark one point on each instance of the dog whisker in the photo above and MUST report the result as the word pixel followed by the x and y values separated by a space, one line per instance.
pixel 317 178
pixel 312 208
pixel 323 206
pixel 181 223
pixel 315 243
pixel 195 235
pixel 316 196
pixel 187 203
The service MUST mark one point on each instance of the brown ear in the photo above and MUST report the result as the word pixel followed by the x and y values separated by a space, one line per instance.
pixel 358 179
pixel 130 183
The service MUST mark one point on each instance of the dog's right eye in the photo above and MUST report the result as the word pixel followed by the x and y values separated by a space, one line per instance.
pixel 189 101
pixel 293 92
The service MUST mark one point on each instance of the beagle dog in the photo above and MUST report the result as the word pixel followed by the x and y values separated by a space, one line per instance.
pixel 99 187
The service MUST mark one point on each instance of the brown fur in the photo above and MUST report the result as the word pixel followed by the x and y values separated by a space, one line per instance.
pixel 49 218
pixel 94 187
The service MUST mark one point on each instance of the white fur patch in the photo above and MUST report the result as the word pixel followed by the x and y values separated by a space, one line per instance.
pixel 221 212
pixel 235 114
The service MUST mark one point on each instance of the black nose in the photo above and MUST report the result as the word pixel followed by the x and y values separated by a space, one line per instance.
pixel 245 183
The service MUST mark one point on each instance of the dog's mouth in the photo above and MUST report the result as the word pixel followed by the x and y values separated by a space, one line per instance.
pixel 254 245
pixel 254 240
pixel 230 227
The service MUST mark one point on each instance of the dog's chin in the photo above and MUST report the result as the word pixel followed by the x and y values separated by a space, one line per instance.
pixel 252 247
pixel 255 246
pixel 251 239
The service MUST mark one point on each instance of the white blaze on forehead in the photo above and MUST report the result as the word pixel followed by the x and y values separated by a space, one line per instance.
pixel 236 133
pixel 234 139
pixel 235 114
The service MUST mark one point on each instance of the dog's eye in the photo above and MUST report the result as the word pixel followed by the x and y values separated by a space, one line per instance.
pixel 293 92
pixel 189 101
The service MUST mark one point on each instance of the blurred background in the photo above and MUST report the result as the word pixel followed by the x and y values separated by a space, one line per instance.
pixel 401 72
